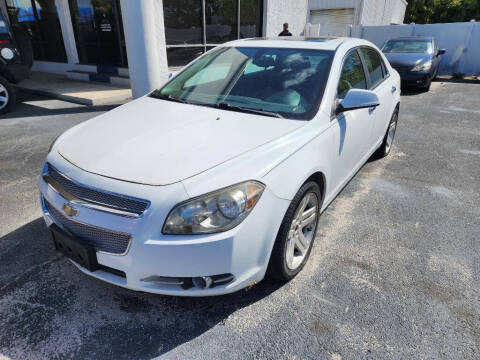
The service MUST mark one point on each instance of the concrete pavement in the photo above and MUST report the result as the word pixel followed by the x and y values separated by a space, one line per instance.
pixel 394 273
pixel 81 92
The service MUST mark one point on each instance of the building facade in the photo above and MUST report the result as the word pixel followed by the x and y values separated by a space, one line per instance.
pixel 108 40
pixel 334 16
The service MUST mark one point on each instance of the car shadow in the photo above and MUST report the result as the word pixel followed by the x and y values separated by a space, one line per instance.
pixel 30 105
pixel 412 91
pixel 52 309
pixel 458 80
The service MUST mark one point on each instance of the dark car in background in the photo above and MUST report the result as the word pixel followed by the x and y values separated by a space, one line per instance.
pixel 415 58
pixel 16 58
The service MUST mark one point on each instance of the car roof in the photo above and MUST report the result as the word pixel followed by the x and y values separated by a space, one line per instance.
pixel 420 38
pixel 321 43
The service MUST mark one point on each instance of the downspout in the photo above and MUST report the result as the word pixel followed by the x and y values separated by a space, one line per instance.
pixel 360 12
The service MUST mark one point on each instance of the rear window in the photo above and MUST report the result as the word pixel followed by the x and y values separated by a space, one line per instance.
pixel 374 66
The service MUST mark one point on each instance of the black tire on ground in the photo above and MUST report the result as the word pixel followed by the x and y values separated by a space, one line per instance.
pixel 427 88
pixel 7 91
pixel 385 148
pixel 277 268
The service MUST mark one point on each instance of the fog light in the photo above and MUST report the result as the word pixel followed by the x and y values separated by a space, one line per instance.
pixel 203 282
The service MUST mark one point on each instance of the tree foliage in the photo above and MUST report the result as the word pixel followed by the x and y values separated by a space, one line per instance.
pixel 442 11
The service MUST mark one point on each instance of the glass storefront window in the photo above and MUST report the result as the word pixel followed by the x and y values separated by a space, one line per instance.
pixel 179 56
pixel 205 23
pixel 183 21
pixel 251 18
pixel 98 32
pixel 221 21
pixel 39 19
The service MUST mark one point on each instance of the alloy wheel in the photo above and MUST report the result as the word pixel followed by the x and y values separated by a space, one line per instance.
pixel 302 231
pixel 3 97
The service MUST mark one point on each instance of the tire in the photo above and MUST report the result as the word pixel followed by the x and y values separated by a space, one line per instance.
pixel 282 266
pixel 8 96
pixel 427 88
pixel 387 143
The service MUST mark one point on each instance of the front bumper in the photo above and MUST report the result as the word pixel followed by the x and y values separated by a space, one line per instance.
pixel 415 79
pixel 15 72
pixel 242 252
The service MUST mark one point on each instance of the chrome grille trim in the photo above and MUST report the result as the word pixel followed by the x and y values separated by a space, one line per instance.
pixel 71 190
pixel 103 240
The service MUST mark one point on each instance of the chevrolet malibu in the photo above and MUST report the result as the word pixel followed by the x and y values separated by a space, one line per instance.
pixel 214 180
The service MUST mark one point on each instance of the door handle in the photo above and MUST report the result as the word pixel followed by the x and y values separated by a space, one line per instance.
pixel 394 89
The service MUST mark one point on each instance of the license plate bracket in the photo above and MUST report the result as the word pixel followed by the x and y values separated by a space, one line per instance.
pixel 83 254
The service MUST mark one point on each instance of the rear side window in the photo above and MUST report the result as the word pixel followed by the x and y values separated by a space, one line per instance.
pixel 353 76
pixel 374 66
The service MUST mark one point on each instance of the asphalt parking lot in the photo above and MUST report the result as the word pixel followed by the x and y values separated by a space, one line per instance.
pixel 394 273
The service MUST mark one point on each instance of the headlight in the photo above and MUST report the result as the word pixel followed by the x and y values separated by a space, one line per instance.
pixel 423 67
pixel 7 53
pixel 218 211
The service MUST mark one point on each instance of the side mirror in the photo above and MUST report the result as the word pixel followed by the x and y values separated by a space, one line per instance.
pixel 357 99
pixel 172 74
pixel 441 51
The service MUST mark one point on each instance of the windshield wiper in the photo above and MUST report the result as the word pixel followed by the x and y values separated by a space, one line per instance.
pixel 158 95
pixel 227 106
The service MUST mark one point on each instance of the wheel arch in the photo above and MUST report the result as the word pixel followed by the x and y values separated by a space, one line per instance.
pixel 319 178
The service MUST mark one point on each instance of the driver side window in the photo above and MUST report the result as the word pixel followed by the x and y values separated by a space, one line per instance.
pixel 353 75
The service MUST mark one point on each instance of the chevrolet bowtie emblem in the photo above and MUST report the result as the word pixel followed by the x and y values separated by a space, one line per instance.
pixel 69 210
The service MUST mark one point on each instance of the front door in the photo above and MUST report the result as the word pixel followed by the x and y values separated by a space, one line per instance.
pixel 352 129
pixel 98 32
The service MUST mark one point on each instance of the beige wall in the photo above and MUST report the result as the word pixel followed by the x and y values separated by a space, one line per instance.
pixel 277 12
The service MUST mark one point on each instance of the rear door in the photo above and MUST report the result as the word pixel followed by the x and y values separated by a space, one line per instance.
pixel 378 82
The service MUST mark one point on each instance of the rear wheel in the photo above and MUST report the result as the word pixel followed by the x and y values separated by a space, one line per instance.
pixel 387 143
pixel 296 235
pixel 7 96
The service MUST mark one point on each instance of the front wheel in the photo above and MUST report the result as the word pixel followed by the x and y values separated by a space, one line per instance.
pixel 7 96
pixel 387 143
pixel 296 235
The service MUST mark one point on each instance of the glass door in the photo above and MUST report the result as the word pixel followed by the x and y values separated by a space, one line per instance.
pixel 195 26
pixel 38 21
pixel 98 32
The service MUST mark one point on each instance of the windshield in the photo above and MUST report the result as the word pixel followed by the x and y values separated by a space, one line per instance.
pixel 276 82
pixel 408 46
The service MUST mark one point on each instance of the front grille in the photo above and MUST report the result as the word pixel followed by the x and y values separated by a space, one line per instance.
pixel 98 197
pixel 101 239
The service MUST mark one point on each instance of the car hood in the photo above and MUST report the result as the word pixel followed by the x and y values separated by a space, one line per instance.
pixel 158 142
pixel 407 59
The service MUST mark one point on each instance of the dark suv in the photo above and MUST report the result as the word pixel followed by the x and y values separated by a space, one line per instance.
pixel 16 58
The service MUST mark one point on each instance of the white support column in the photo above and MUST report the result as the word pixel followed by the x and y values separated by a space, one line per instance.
pixel 67 31
pixel 146 46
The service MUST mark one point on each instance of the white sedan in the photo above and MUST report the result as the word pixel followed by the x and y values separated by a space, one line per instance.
pixel 218 178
